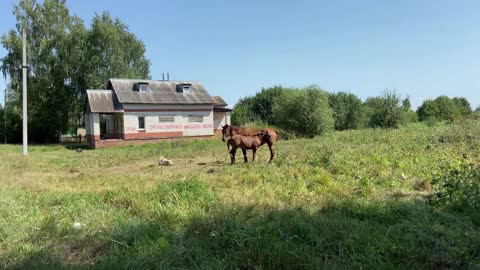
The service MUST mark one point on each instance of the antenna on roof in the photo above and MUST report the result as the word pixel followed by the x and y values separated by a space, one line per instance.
pixel 168 77
pixel 163 77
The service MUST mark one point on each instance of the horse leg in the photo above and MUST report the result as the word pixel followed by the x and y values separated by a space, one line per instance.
pixel 245 155
pixel 232 154
pixel 272 152
pixel 254 153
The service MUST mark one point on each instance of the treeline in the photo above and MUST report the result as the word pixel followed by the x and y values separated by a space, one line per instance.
pixel 65 58
pixel 312 111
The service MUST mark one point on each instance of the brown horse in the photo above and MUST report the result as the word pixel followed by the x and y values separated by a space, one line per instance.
pixel 252 142
pixel 229 131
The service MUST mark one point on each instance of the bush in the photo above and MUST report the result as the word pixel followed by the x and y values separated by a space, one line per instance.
pixel 444 108
pixel 305 112
pixel 257 108
pixel 457 185
pixel 385 111
pixel 14 126
pixel 347 111
pixel 463 105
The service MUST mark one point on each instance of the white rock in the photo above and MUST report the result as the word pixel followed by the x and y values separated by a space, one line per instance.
pixel 77 225
pixel 162 161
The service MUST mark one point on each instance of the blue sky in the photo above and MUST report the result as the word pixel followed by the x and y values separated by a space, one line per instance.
pixel 234 48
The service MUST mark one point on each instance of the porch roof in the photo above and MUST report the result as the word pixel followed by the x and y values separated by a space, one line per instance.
pixel 103 101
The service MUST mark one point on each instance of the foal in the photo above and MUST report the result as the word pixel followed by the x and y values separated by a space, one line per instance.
pixel 249 142
pixel 230 131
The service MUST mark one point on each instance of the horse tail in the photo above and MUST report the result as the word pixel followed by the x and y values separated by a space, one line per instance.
pixel 278 135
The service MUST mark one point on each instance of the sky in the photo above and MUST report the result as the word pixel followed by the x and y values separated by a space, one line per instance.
pixel 421 49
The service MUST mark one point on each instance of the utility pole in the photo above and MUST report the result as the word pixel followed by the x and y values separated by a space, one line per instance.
pixel 5 116
pixel 24 97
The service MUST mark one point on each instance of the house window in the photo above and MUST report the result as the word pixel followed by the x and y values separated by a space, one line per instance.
pixel 187 89
pixel 184 88
pixel 195 118
pixel 141 122
pixel 166 118
pixel 143 87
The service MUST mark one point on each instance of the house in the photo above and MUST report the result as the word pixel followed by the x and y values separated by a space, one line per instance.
pixel 144 110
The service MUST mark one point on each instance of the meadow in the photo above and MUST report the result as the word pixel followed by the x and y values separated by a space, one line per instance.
pixel 345 200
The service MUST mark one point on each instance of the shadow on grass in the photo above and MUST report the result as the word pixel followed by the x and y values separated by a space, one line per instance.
pixel 346 235
pixel 77 146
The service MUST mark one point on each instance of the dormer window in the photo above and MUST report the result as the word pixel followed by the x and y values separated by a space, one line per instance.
pixel 185 88
pixel 141 87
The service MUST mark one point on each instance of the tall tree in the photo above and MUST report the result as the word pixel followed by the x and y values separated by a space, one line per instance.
pixel 49 26
pixel 406 105
pixel 114 52
pixel 65 59
pixel 385 111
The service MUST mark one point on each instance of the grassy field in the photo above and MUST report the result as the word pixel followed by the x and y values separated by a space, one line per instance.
pixel 355 199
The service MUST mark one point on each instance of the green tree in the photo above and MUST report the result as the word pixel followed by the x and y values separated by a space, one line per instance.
pixel 463 105
pixel 410 116
pixel 113 52
pixel 305 112
pixel 385 111
pixel 406 105
pixel 257 108
pixel 347 110
pixel 65 59
pixel 441 108
pixel 243 112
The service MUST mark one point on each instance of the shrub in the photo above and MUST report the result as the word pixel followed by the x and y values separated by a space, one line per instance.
pixel 443 108
pixel 384 111
pixel 257 108
pixel 457 185
pixel 463 105
pixel 347 110
pixel 305 112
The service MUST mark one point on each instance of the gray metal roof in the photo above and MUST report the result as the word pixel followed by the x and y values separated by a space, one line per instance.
pixel 103 101
pixel 159 92
pixel 219 101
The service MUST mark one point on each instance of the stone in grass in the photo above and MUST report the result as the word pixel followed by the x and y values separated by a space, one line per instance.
pixel 77 225
pixel 162 161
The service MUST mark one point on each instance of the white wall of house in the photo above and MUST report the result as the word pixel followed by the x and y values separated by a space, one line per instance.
pixel 181 125
pixel 220 119
pixel 92 123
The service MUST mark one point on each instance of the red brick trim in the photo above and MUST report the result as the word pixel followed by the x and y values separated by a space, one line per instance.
pixel 169 110
pixel 149 135
pixel 109 143
pixel 113 136
pixel 93 137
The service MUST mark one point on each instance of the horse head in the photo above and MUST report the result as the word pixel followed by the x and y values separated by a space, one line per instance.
pixel 226 131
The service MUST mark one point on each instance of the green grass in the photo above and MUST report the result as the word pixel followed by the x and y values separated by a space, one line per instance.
pixel 354 199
